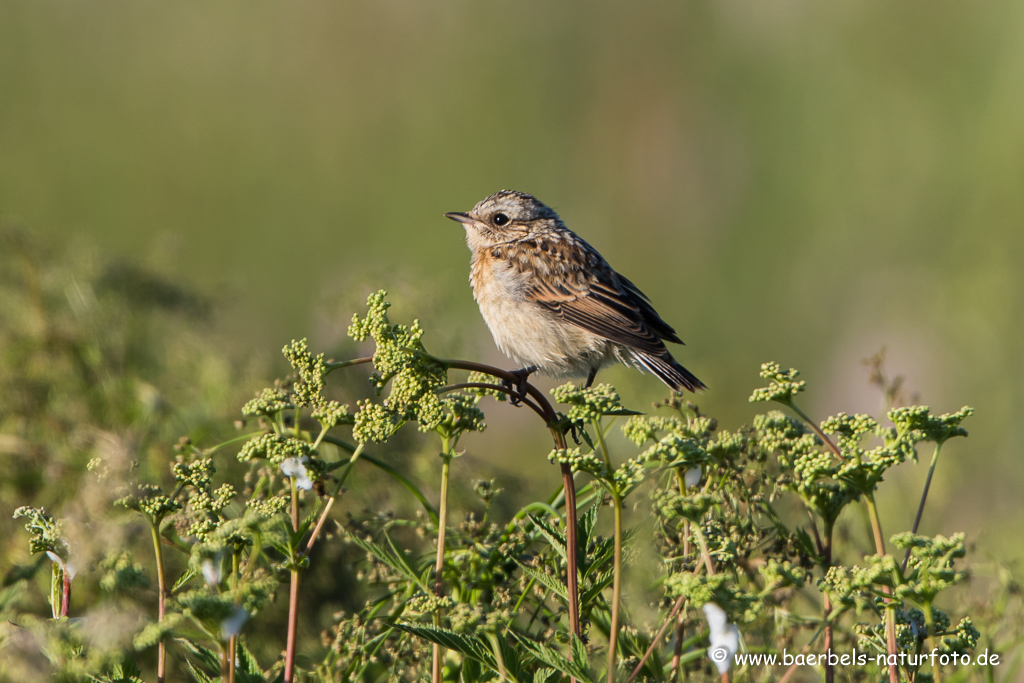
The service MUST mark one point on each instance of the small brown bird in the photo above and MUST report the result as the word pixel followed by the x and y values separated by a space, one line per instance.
pixel 553 303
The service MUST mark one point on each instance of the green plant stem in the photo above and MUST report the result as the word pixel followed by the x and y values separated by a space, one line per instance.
pixel 391 471
pixel 446 459
pixel 830 674
pixel 613 632
pixel 161 604
pixel 613 636
pixel 55 576
pixel 65 592
pixel 890 609
pixel 704 549
pixel 334 495
pixel 657 637
pixel 330 367
pixel 804 650
pixel 924 497
pixel 558 436
pixel 293 595
pixel 929 619
pixel 677 649
pixel 233 641
pixel 816 429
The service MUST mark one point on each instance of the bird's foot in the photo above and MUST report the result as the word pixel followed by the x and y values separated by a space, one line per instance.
pixel 517 391
pixel 576 429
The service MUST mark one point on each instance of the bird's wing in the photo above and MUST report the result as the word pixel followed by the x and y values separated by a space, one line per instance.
pixel 573 281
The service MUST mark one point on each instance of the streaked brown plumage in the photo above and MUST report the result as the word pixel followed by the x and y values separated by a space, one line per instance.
pixel 553 303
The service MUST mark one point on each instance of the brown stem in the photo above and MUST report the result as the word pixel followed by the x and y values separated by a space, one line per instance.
pixel 817 430
pixel 442 522
pixel 319 525
pixel 924 497
pixel 494 387
pixel 677 649
pixel 65 598
pixel 293 597
pixel 293 613
pixel 543 408
pixel 161 602
pixel 890 609
pixel 804 650
pixel 547 412
pixel 571 548
pixel 830 674
pixel 657 638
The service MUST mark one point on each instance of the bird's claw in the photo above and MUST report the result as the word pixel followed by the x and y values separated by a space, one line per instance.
pixel 517 391
pixel 575 428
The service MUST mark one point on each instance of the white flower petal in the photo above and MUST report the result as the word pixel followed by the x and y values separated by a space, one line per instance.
pixel 211 572
pixel 292 466
pixel 303 481
pixel 692 476
pixel 717 618
pixel 724 637
pixel 56 558
pixel 232 626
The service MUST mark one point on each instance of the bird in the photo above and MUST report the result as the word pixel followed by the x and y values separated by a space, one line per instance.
pixel 552 302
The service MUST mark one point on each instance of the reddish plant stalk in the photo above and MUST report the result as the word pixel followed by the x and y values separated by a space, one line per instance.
pixel 293 598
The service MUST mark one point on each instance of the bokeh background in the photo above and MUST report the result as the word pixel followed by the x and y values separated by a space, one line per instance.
pixel 796 181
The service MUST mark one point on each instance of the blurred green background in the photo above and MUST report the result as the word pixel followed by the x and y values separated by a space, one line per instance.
pixel 797 181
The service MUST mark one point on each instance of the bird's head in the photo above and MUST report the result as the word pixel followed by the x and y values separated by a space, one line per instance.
pixel 504 217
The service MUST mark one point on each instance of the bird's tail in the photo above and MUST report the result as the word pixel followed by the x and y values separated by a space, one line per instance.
pixel 669 371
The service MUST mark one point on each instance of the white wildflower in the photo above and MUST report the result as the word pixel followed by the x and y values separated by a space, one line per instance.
pixel 724 637
pixel 692 476
pixel 293 467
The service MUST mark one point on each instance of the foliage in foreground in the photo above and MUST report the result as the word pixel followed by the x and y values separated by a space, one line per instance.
pixel 758 533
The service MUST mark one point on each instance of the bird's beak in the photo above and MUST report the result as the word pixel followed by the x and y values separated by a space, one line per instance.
pixel 459 217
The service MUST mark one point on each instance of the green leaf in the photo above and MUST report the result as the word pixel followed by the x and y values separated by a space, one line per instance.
pixel 585 526
pixel 550 582
pixel 555 538
pixel 579 650
pixel 394 558
pixel 207 657
pixel 189 574
pixel 466 645
pixel 124 672
pixel 250 671
pixel 600 583
pixel 545 675
pixel 197 675
pixel 395 474
pixel 555 660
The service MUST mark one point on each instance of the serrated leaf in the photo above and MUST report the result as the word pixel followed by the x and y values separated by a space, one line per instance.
pixel 395 560
pixel 250 671
pixel 579 650
pixel 600 583
pixel 553 536
pixel 544 675
pixel 206 656
pixel 189 574
pixel 555 660
pixel 546 580
pixel 469 646
pixel 197 675
pixel 585 526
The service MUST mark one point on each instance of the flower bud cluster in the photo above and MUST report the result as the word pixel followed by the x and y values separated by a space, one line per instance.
pixel 782 387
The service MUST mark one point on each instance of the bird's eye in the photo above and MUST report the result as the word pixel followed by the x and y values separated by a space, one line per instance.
pixel 500 219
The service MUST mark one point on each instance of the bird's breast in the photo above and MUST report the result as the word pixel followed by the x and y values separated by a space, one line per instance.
pixel 527 332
